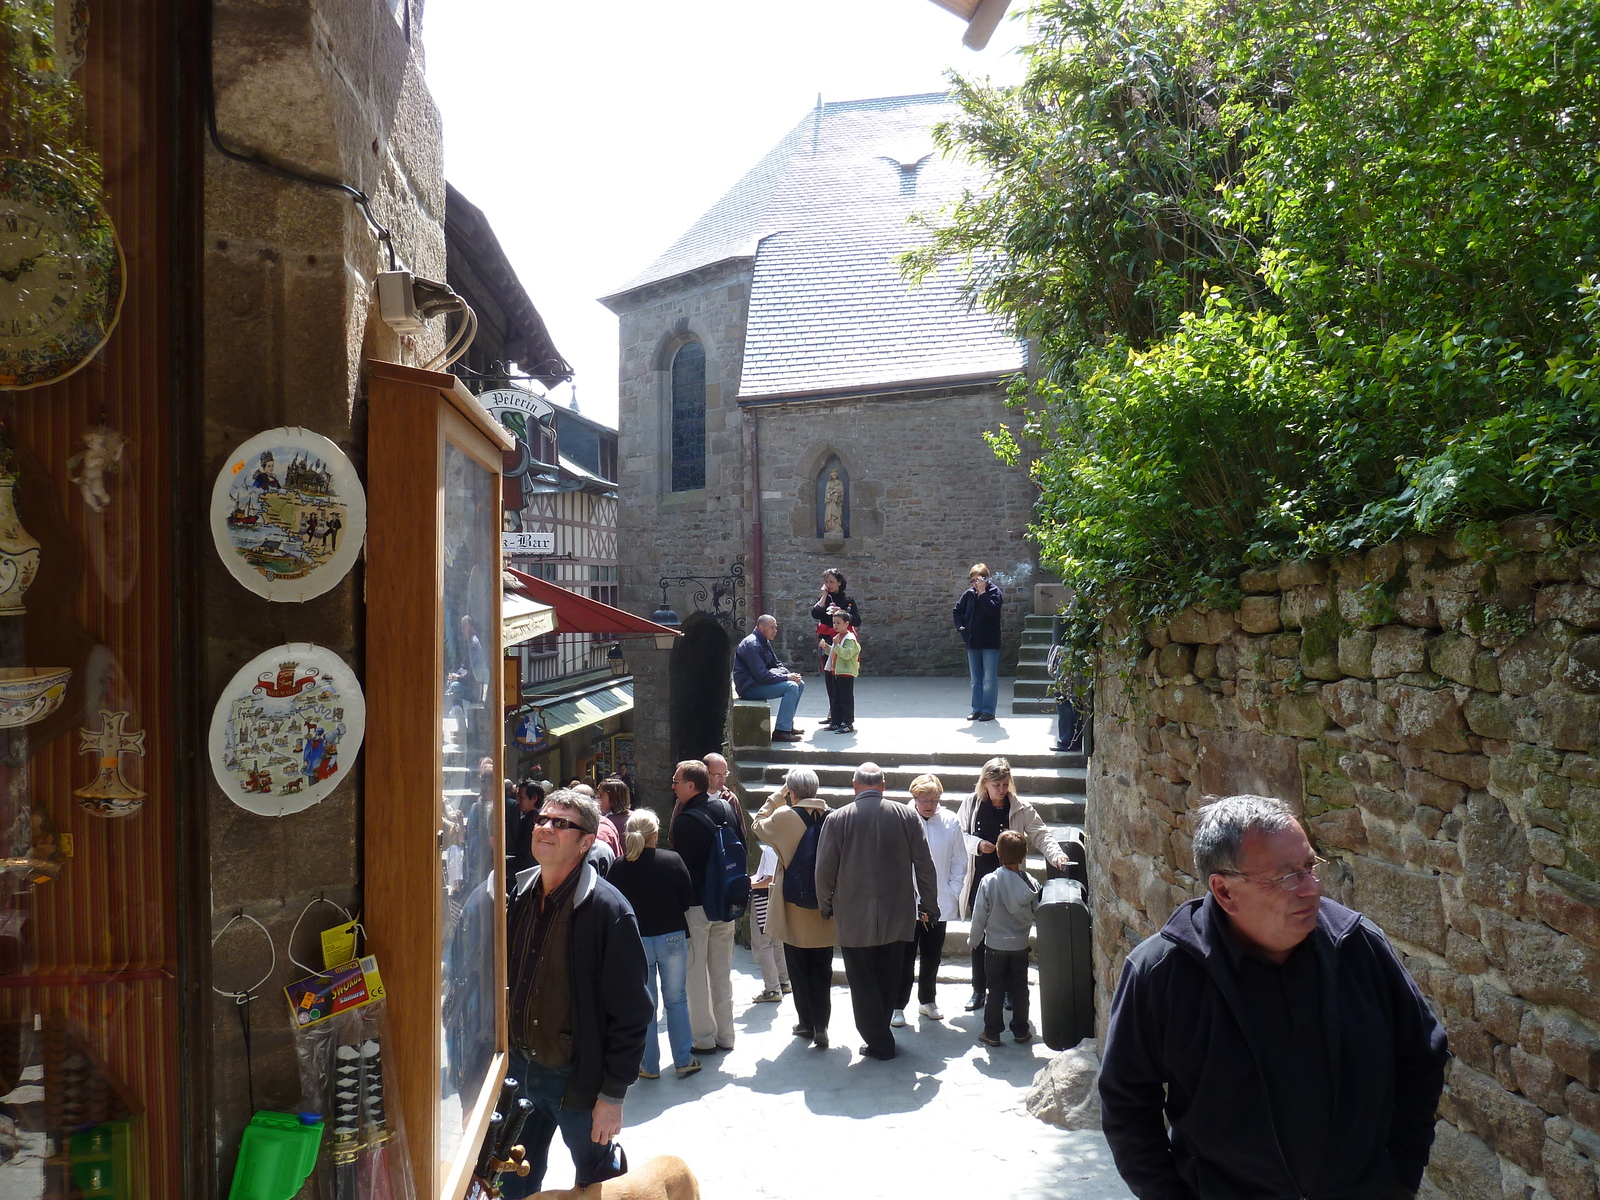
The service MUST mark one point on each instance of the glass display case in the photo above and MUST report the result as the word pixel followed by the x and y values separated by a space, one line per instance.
pixel 435 886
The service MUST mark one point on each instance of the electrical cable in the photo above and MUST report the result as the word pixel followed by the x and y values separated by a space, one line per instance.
pixel 460 343
pixel 241 1000
pixel 363 201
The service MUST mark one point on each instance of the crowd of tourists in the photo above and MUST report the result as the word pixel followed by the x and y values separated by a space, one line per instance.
pixel 603 944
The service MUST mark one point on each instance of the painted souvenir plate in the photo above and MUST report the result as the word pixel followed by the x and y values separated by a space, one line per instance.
pixel 287 729
pixel 288 514
pixel 61 275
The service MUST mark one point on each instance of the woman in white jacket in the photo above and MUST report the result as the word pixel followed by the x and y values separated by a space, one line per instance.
pixel 949 850
pixel 991 809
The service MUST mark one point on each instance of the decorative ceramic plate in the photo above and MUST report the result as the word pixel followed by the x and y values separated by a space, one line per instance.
pixel 288 514
pixel 287 729
pixel 61 275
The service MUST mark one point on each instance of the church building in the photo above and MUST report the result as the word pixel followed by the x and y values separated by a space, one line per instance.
pixel 790 403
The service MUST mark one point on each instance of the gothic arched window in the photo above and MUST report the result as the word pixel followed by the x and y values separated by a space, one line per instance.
pixel 689 418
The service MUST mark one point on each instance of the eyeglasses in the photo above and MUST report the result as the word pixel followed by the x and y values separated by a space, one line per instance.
pixel 1292 882
pixel 558 823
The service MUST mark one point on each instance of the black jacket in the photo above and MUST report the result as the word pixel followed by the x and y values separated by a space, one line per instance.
pixel 610 1002
pixel 657 884
pixel 1176 1045
pixel 978 618
pixel 839 599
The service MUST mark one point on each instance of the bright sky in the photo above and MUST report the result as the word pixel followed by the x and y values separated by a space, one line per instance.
pixel 593 133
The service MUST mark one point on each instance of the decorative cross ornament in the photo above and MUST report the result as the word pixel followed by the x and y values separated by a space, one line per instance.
pixel 110 795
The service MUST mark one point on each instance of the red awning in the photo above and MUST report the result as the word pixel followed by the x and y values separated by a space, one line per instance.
pixel 579 614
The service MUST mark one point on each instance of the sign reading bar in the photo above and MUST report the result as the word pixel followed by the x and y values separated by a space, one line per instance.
pixel 528 543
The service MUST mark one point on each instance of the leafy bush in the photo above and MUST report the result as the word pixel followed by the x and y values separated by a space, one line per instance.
pixel 1302 277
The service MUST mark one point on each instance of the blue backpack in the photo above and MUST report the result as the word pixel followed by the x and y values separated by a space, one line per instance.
pixel 800 876
pixel 727 889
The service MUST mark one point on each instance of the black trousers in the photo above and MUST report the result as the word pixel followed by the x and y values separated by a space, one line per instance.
pixel 827 682
pixel 842 699
pixel 928 947
pixel 811 976
pixel 1008 972
pixel 874 975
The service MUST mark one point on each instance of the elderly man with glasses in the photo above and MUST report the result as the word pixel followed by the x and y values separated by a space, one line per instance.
pixel 1268 1043
pixel 578 1005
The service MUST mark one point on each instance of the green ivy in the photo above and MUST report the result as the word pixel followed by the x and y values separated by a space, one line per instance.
pixel 1303 278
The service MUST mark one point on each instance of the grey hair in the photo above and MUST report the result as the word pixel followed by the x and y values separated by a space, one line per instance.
pixel 801 783
pixel 1221 830
pixel 870 774
pixel 766 618
pixel 587 807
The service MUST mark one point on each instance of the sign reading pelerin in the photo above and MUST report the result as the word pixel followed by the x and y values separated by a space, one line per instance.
pixel 528 543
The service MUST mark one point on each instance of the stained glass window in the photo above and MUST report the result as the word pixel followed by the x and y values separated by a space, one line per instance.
pixel 689 418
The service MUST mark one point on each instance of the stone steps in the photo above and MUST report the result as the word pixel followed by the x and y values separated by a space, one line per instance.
pixel 958 779
pixel 1031 691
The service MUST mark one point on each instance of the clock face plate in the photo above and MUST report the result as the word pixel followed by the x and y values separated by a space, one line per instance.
pixel 61 275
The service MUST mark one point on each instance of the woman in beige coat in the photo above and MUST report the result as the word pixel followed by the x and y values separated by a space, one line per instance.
pixel 993 807
pixel 808 940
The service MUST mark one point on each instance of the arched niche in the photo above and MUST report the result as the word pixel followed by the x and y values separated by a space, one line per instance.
pixel 833 500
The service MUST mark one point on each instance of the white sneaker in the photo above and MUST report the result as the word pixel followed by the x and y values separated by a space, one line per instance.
pixel 899 1018
pixel 931 1011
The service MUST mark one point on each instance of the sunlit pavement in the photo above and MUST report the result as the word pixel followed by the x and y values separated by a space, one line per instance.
pixel 776 1119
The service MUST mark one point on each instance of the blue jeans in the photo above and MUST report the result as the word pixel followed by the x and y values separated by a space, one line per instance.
pixel 984 667
pixel 789 690
pixel 545 1087
pixel 668 955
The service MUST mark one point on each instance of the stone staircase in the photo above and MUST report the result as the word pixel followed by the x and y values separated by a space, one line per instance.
pixel 1053 783
pixel 1031 694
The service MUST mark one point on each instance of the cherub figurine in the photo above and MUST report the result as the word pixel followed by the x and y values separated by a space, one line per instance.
pixel 87 469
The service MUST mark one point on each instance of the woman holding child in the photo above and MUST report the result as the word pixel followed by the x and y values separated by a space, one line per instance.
pixel 832 597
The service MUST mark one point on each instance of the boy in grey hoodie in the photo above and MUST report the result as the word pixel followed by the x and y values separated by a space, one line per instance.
pixel 1002 915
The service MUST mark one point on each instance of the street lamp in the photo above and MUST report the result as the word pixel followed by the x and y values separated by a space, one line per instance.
pixel 615 661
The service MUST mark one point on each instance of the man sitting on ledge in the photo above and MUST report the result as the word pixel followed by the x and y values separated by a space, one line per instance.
pixel 758 675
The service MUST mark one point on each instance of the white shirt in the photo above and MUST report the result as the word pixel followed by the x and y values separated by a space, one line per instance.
pixel 949 849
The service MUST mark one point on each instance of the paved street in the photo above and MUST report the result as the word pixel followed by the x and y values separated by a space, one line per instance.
pixel 778 1120
pixel 922 713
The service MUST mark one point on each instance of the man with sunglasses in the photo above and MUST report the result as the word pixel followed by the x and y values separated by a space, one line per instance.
pixel 578 1007
pixel 1268 1044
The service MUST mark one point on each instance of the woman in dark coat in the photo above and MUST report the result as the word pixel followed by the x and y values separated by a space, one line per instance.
pixel 832 596
pixel 977 617
pixel 657 884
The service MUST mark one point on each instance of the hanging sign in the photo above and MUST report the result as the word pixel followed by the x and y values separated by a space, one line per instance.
pixel 288 514
pixel 286 729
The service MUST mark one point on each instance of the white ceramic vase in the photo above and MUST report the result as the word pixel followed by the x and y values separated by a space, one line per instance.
pixel 19 552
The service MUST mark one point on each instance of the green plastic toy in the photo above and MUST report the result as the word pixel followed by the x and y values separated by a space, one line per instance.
pixel 276 1154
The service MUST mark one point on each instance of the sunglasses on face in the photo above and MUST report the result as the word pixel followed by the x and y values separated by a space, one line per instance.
pixel 558 823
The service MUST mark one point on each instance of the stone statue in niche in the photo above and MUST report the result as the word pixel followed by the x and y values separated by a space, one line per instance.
pixel 833 501
pixel 833 504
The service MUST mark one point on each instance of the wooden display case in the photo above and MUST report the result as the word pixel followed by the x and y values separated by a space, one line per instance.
pixel 434 822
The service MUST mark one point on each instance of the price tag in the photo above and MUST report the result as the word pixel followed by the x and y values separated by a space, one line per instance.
pixel 338 945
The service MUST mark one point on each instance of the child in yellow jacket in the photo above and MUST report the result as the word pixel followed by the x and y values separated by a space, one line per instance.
pixel 844 664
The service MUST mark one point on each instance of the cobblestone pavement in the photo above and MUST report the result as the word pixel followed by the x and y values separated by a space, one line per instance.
pixel 776 1120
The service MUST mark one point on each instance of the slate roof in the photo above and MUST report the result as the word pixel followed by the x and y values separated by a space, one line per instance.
pixel 825 215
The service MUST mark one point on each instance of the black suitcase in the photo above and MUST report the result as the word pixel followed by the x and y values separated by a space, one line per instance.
pixel 1066 981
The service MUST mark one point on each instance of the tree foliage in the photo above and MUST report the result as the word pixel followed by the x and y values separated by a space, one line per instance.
pixel 1300 275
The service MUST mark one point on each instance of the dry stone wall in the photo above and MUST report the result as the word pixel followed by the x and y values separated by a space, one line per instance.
pixel 1436 718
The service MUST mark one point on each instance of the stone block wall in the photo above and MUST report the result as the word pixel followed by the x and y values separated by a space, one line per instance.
pixel 659 531
pixel 336 90
pixel 927 500
pixel 1436 719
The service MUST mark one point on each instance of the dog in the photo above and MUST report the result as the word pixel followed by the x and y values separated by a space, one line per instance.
pixel 662 1178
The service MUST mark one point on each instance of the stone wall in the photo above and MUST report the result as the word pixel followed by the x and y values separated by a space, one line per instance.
pixel 1436 718
pixel 927 500
pixel 336 90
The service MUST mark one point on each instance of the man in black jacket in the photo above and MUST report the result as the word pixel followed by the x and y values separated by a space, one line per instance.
pixel 578 1008
pixel 1274 1033
pixel 710 970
